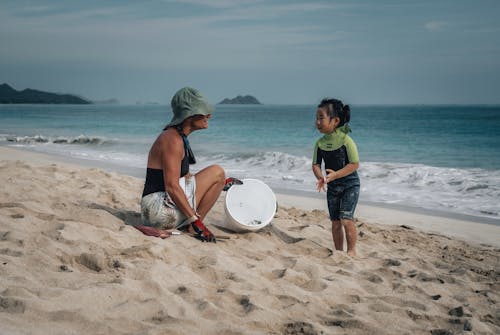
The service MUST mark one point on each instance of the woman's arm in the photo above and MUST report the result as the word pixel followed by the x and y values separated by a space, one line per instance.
pixel 172 153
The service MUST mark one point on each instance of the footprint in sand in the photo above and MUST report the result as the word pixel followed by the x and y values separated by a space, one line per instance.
pixel 247 305
pixel 12 205
pixel 345 324
pixel 391 262
pixel 315 283
pixel 380 308
pixel 4 235
pixel 232 277
pixel 424 277
pixel 389 273
pixel 403 303
pixel 90 261
pixel 138 251
pixel 299 327
pixel 55 232
pixel 205 268
pixel 373 278
pixel 9 252
pixel 163 318
pixel 10 305
pixel 278 273
pixel 288 300
pixel 342 311
pixel 181 290
pixel 288 262
pixel 45 217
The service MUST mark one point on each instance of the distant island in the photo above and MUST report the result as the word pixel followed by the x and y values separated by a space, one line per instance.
pixel 8 95
pixel 241 100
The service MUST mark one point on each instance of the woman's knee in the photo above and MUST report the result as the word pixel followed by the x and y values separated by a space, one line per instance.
pixel 218 172
pixel 213 174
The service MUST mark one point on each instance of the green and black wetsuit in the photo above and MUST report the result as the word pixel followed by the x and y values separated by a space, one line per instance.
pixel 337 150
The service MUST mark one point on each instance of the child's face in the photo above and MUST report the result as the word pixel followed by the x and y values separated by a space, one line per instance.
pixel 324 123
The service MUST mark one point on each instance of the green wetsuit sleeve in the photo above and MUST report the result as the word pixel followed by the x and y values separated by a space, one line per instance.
pixel 352 150
pixel 315 155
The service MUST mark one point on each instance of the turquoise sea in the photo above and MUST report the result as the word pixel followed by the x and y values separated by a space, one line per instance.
pixel 443 158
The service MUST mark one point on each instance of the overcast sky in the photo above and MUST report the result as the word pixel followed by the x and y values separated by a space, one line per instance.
pixel 282 52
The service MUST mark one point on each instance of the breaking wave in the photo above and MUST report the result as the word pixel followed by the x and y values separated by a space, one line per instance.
pixel 465 191
pixel 38 139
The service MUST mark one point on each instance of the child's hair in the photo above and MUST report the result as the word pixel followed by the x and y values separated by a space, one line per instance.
pixel 335 108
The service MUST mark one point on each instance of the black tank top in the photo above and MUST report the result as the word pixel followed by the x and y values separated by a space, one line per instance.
pixel 154 177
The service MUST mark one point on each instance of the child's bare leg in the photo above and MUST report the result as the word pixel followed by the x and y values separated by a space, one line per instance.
pixel 338 235
pixel 350 235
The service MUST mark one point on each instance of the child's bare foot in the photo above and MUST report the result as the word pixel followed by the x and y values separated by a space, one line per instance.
pixel 351 253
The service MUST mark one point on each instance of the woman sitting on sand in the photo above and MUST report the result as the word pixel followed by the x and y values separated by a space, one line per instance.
pixel 172 197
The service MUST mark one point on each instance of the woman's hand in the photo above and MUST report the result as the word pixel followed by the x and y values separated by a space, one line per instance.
pixel 150 231
pixel 201 232
pixel 331 175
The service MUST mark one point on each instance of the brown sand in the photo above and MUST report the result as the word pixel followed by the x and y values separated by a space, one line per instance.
pixel 71 264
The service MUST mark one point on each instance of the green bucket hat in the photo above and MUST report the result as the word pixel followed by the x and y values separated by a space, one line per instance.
pixel 188 102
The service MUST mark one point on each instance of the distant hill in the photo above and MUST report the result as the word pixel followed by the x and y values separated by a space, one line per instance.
pixel 8 95
pixel 241 100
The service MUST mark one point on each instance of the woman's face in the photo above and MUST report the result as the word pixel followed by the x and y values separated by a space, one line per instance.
pixel 200 121
pixel 325 123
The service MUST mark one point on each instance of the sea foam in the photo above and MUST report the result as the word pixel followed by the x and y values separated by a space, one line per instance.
pixel 465 191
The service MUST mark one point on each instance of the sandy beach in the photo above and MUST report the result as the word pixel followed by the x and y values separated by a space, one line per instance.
pixel 70 263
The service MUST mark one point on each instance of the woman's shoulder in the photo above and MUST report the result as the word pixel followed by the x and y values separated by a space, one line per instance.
pixel 168 141
pixel 170 135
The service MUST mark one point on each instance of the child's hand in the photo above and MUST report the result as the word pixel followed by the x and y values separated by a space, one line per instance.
pixel 320 185
pixel 330 175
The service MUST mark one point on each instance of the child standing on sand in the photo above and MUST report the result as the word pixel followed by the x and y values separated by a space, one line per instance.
pixel 339 153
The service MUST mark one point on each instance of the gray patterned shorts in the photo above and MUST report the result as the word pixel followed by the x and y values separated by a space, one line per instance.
pixel 342 200
pixel 159 211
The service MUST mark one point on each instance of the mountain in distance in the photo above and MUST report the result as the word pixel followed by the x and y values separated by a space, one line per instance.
pixel 241 100
pixel 8 95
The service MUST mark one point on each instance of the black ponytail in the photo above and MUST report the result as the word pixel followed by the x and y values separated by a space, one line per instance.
pixel 335 108
pixel 345 115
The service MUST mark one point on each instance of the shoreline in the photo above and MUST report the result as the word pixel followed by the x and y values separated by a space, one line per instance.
pixel 396 207
pixel 314 197
pixel 466 227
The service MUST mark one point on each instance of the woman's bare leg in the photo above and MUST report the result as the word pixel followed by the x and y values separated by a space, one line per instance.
pixel 209 184
pixel 350 235
pixel 338 235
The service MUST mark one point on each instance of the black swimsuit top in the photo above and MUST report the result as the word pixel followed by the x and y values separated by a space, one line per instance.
pixel 154 177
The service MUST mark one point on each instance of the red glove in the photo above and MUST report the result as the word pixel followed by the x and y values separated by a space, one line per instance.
pixel 230 182
pixel 202 233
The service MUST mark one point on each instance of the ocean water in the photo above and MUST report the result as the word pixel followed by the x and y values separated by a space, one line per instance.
pixel 429 157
